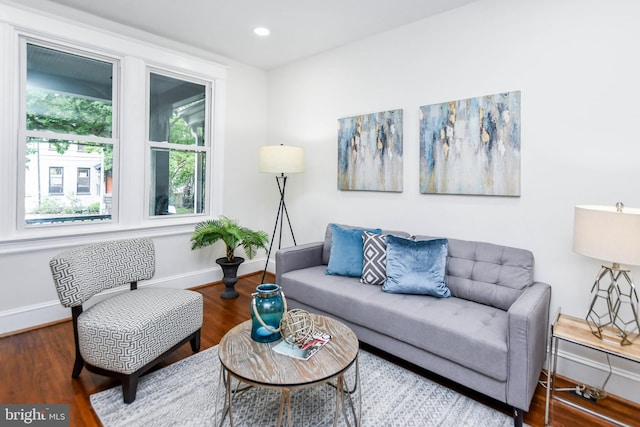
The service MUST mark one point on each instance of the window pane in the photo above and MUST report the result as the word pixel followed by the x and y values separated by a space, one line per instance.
pixel 56 180
pixel 84 181
pixel 178 181
pixel 176 111
pixel 58 183
pixel 68 93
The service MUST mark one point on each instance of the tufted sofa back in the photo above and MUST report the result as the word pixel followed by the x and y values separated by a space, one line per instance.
pixel 486 273
pixel 83 272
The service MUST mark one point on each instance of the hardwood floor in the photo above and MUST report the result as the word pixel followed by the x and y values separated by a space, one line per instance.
pixel 35 367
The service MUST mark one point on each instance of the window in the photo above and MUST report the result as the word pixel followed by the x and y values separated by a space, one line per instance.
pixel 56 180
pixel 69 123
pixel 178 145
pixel 131 124
pixel 83 185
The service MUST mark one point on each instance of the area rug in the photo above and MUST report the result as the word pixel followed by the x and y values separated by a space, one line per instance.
pixel 189 393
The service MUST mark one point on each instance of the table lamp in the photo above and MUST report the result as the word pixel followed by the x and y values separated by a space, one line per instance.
pixel 611 234
pixel 281 160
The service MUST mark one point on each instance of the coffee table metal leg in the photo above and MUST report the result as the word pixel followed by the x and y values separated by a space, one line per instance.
pixel 342 389
pixel 343 393
pixel 339 399
pixel 357 386
pixel 221 385
pixel 229 399
pixel 285 405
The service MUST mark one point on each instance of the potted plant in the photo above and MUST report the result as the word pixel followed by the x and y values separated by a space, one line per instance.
pixel 233 235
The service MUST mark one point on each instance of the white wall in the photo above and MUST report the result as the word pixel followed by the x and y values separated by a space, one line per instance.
pixel 573 60
pixel 575 63
pixel 28 295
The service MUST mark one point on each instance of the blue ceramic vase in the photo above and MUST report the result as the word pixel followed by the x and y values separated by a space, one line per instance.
pixel 268 304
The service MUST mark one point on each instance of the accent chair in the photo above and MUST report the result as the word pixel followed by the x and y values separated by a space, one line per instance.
pixel 126 333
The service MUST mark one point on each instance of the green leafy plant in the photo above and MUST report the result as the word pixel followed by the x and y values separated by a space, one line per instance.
pixel 50 206
pixel 231 233
pixel 94 207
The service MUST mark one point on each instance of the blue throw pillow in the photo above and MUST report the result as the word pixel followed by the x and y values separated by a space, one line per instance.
pixel 346 251
pixel 416 267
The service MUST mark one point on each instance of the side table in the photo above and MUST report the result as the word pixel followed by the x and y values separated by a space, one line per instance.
pixel 577 331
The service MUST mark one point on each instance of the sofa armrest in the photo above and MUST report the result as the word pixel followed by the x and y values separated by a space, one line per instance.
pixel 528 326
pixel 298 257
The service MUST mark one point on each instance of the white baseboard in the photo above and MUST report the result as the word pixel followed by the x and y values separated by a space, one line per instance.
pixel 25 317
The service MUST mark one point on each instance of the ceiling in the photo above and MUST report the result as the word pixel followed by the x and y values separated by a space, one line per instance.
pixel 299 28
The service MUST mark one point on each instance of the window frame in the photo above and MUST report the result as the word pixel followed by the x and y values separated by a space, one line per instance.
pixel 129 209
pixel 24 134
pixel 55 193
pixel 78 178
pixel 206 148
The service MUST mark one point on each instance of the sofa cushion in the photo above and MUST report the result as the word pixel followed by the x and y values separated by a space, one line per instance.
pixel 490 274
pixel 374 266
pixel 347 251
pixel 416 267
pixel 470 334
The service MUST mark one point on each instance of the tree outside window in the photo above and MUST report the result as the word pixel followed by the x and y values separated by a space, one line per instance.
pixel 69 124
pixel 178 145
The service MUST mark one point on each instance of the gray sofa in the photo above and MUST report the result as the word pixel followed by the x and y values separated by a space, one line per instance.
pixel 490 335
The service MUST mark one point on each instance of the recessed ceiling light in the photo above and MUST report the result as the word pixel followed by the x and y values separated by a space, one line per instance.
pixel 261 31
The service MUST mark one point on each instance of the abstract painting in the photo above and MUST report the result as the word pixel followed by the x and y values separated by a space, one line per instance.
pixel 471 146
pixel 370 152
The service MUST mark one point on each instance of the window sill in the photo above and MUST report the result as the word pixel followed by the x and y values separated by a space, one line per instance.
pixel 62 236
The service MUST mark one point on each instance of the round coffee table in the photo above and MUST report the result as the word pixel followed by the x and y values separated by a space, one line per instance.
pixel 256 364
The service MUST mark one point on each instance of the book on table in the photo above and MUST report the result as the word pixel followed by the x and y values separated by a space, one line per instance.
pixel 306 350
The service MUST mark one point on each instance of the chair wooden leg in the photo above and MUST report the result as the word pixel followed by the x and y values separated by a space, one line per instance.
pixel 77 366
pixel 79 363
pixel 195 342
pixel 129 388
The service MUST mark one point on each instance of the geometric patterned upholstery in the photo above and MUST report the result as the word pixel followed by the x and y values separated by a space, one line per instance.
pixel 125 332
pixel 84 272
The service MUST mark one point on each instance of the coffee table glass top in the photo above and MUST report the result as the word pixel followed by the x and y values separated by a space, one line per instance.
pixel 257 363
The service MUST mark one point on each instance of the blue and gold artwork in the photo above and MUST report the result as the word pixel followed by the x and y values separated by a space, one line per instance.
pixel 471 146
pixel 370 152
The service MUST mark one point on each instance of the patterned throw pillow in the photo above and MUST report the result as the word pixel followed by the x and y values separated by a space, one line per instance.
pixel 374 267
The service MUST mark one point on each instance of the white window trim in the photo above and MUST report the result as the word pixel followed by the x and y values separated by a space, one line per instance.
pixel 17 21
pixel 207 148
pixel 28 38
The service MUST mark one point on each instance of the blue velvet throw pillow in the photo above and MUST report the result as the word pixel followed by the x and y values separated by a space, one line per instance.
pixel 346 251
pixel 416 266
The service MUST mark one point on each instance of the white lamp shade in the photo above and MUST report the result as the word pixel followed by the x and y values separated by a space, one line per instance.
pixel 281 159
pixel 603 233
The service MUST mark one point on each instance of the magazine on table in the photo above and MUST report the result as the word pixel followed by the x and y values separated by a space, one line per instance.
pixel 304 352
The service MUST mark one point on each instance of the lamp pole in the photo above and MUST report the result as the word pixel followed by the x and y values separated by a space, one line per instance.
pixel 281 180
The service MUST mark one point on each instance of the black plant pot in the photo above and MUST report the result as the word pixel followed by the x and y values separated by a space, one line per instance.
pixel 230 273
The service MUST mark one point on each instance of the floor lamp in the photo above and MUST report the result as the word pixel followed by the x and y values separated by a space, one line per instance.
pixel 281 160
pixel 611 234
